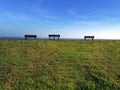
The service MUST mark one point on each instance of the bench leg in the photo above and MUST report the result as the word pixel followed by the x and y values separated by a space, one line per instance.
pixel 25 38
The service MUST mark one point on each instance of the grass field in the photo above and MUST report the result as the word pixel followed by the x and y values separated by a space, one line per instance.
pixel 59 65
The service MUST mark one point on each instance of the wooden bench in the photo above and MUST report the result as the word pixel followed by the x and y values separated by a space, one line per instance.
pixel 30 36
pixel 92 37
pixel 53 36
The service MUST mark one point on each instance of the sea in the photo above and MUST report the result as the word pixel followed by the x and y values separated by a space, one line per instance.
pixel 39 38
pixel 42 38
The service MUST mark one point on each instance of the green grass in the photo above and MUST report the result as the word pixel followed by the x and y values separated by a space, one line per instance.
pixel 59 65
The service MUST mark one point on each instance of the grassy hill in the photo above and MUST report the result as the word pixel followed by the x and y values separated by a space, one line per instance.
pixel 59 65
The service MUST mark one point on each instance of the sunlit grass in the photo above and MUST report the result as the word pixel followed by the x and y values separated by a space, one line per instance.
pixel 59 65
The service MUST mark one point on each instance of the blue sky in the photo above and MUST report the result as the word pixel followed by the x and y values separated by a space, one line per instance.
pixel 70 18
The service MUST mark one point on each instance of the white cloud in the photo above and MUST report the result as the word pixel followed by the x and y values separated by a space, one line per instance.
pixel 82 17
pixel 3 25
pixel 112 19
pixel 8 14
pixel 40 10
pixel 72 12
pixel 87 23
pixel 50 17
pixel 17 16
pixel 43 12
pixel 99 21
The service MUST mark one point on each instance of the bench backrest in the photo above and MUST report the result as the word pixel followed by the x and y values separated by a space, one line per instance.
pixel 54 35
pixel 30 35
pixel 88 36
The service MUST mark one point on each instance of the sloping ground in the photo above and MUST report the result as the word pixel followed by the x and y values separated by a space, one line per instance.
pixel 59 65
